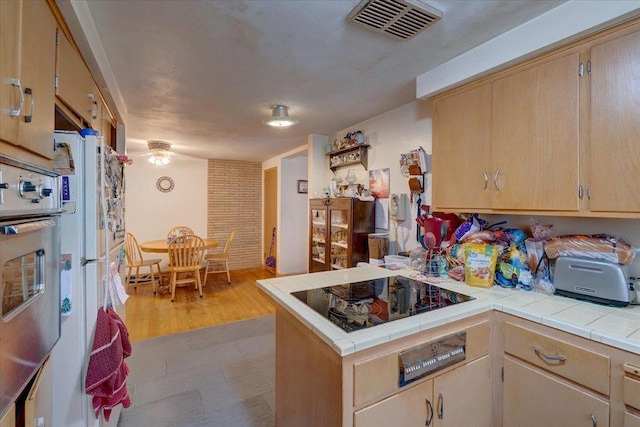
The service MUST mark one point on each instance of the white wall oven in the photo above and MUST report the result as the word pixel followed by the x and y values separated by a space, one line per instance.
pixel 29 273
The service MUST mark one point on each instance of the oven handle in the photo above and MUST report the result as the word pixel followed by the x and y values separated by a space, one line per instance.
pixel 26 227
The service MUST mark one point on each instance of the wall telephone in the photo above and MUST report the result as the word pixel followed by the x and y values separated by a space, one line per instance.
pixel 398 207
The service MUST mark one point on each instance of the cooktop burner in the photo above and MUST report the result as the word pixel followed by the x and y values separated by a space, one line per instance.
pixel 359 305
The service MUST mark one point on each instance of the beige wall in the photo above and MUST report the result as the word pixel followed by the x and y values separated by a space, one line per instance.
pixel 210 196
pixel 149 213
pixel 234 200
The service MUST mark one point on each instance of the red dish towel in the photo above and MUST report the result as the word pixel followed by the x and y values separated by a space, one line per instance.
pixel 107 372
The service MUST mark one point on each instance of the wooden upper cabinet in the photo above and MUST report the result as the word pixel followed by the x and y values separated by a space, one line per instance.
pixel 10 83
pixel 75 84
pixel 535 137
pixel 462 150
pixel 27 75
pixel 615 125
pixel 510 144
pixel 38 72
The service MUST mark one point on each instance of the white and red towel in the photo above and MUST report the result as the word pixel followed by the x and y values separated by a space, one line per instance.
pixel 107 372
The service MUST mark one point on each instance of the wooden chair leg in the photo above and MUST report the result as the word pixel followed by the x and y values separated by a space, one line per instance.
pixel 153 278
pixel 206 272
pixel 172 285
pixel 199 283
pixel 157 286
pixel 228 275
pixel 127 280
pixel 136 277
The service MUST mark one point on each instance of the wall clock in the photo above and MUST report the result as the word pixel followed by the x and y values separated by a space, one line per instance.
pixel 164 184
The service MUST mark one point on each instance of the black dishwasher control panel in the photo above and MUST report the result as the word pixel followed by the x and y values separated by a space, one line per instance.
pixel 425 359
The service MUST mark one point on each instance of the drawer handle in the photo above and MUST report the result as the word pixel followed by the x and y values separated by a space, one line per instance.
pixel 594 420
pixel 486 179
pixel 440 406
pixel 429 413
pixel 539 352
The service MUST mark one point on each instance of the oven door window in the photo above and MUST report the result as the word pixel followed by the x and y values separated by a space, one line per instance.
pixel 22 281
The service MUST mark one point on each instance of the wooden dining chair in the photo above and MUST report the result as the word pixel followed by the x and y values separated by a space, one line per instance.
pixel 180 230
pixel 219 262
pixel 186 255
pixel 136 261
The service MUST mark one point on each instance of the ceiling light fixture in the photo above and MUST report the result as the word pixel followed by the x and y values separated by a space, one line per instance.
pixel 159 153
pixel 280 117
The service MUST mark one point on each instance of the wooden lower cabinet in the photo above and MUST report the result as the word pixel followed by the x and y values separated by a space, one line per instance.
pixel 316 387
pixel 412 407
pixel 631 420
pixel 461 397
pixel 535 398
pixel 9 419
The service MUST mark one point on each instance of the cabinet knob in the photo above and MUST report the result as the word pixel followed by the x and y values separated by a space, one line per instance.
pixel 26 187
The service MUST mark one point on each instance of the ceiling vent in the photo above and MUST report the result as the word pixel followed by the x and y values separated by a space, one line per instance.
pixel 400 19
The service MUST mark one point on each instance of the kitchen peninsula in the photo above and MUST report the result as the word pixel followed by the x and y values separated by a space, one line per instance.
pixel 581 360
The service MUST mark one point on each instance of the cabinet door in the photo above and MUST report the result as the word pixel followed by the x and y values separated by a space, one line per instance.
pixel 318 239
pixel 462 150
pixel 9 419
pixel 631 420
pixel 75 84
pixel 535 135
pixel 10 96
pixel 409 408
pixel 38 75
pixel 533 398
pixel 462 397
pixel 340 237
pixel 615 125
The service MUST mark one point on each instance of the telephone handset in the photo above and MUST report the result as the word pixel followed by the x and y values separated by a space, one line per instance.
pixel 398 206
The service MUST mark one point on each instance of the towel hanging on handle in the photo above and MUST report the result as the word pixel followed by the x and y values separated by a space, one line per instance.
pixel 107 372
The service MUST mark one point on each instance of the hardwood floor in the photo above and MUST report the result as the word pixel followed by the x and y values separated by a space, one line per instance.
pixel 149 315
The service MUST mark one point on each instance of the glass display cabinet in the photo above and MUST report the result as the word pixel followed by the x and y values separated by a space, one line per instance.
pixel 338 235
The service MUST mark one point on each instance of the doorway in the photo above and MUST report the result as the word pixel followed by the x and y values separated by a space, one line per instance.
pixel 270 216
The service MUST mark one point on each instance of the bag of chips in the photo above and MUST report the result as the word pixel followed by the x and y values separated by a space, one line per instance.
pixel 479 264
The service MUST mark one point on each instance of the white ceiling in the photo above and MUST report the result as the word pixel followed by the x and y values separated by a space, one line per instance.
pixel 203 74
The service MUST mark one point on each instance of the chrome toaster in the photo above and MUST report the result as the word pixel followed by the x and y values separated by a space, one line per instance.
pixel 593 280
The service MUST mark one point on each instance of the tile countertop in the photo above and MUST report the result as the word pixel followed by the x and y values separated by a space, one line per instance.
pixel 617 327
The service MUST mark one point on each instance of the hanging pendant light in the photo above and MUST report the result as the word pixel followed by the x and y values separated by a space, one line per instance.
pixel 280 117
pixel 159 153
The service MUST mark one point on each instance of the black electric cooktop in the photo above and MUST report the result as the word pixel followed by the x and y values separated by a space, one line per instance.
pixel 360 305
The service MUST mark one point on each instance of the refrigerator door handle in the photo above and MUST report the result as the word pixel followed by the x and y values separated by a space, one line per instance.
pixel 85 261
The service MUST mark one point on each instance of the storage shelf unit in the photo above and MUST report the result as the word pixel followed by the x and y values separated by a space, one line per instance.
pixel 339 232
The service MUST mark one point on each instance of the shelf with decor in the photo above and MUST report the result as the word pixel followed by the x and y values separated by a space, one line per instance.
pixel 354 155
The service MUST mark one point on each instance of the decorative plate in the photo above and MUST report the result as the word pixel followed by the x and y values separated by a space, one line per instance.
pixel 164 184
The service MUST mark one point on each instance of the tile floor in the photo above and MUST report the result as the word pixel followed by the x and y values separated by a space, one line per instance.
pixel 215 377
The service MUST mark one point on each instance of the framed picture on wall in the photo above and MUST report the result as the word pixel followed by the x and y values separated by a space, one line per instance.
pixel 303 186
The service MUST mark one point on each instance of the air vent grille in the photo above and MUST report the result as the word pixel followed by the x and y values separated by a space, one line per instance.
pixel 400 19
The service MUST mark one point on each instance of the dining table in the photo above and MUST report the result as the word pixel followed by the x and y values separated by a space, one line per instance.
pixel 162 246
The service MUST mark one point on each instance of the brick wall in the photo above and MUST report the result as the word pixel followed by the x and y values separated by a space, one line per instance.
pixel 234 200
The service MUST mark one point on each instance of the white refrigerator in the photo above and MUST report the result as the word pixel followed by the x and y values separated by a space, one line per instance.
pixel 92 252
